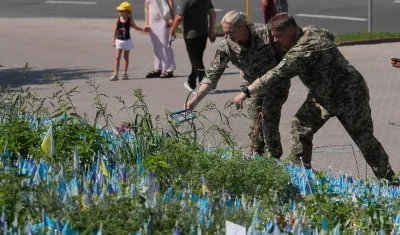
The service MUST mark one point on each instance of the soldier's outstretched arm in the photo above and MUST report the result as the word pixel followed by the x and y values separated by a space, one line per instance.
pixel 212 76
pixel 217 65
pixel 292 64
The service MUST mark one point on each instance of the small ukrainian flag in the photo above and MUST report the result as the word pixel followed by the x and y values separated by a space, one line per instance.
pixel 204 187
pixel 48 143
pixel 104 169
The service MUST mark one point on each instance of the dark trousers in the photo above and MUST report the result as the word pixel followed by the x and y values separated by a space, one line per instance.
pixel 268 11
pixel 356 120
pixel 195 48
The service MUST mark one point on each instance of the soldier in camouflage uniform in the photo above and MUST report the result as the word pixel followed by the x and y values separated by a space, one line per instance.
pixel 336 89
pixel 248 47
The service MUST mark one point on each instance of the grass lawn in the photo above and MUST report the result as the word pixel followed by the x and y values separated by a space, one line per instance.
pixel 351 37
pixel 340 38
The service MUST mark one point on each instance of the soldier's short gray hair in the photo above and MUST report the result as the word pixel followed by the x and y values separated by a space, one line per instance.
pixel 234 18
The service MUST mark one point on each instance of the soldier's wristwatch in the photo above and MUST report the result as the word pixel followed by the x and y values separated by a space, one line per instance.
pixel 246 91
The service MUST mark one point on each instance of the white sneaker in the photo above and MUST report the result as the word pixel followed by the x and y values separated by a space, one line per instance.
pixel 186 85
pixel 125 76
pixel 114 77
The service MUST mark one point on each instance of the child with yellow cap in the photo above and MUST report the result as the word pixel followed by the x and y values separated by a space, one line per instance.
pixel 122 40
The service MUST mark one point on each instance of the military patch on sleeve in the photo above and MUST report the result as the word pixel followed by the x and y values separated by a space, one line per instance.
pixel 282 63
pixel 217 57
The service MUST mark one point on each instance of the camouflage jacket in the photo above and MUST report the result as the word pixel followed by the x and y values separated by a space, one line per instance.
pixel 253 60
pixel 329 77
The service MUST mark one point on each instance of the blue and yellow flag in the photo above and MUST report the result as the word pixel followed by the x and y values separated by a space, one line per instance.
pixel 104 169
pixel 204 187
pixel 48 146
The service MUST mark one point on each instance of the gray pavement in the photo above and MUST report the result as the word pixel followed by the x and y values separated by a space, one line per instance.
pixel 82 47
pixel 352 14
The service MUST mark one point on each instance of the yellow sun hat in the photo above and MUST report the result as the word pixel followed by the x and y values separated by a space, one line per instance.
pixel 125 6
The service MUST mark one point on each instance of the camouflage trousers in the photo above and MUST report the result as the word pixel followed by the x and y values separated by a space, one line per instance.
pixel 264 113
pixel 355 118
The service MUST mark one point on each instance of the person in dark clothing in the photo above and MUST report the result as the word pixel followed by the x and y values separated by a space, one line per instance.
pixel 196 29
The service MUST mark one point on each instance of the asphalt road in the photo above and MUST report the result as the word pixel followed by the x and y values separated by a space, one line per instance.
pixel 338 16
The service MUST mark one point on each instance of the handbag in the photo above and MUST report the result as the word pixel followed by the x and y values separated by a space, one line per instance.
pixel 165 9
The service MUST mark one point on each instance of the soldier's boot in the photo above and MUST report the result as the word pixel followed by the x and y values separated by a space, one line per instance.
pixel 299 161
pixel 386 172
pixel 271 154
pixel 256 149
pixel 256 143
pixel 251 154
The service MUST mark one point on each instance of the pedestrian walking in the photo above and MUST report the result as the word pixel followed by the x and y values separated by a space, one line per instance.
pixel 196 29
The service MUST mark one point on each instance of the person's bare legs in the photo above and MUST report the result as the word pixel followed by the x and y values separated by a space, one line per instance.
pixel 118 54
pixel 126 65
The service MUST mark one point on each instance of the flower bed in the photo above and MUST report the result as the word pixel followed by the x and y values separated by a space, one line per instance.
pixel 143 180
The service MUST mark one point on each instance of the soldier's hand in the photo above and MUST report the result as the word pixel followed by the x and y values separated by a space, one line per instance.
pixel 239 99
pixel 189 105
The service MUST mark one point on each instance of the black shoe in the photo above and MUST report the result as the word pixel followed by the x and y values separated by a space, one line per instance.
pixel 167 75
pixel 153 74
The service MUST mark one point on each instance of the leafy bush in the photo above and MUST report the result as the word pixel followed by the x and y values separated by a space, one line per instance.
pixel 19 136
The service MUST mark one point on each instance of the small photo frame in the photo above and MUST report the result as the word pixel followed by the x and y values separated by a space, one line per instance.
pixel 183 115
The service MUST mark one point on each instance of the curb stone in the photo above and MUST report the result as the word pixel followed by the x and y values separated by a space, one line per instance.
pixel 349 43
pixel 368 41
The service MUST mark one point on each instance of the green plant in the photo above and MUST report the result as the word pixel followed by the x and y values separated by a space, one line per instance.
pixel 255 178
pixel 12 200
pixel 176 154
pixel 19 137
pixel 71 132
pixel 321 204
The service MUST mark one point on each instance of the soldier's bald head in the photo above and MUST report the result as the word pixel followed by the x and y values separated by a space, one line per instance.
pixel 281 22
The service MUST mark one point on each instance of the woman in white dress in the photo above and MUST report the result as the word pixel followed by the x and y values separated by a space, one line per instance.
pixel 164 61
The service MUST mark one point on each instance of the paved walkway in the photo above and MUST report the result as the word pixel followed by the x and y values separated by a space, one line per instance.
pixel 82 47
